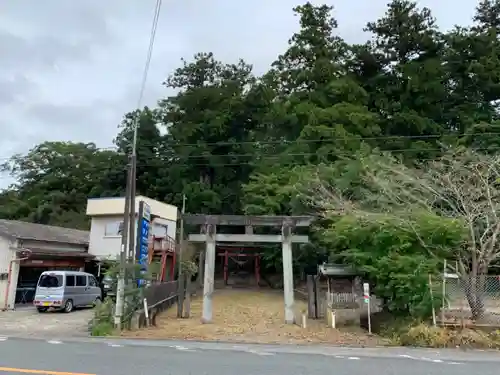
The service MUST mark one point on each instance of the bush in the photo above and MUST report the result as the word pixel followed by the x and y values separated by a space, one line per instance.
pixel 424 335
pixel 102 323
pixel 390 254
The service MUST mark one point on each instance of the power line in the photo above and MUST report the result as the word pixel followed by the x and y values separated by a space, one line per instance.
pixel 302 141
pixel 157 163
pixel 324 139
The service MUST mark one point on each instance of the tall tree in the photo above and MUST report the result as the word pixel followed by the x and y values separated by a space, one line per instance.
pixel 460 188
pixel 54 180
pixel 151 180
pixel 409 90
pixel 208 126
pixel 322 113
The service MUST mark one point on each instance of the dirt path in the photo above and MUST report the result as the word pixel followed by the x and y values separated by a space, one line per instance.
pixel 249 316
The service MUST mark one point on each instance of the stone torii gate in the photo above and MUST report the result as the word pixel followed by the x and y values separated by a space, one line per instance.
pixel 210 236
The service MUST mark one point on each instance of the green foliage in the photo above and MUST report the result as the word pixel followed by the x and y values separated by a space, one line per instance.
pixel 391 256
pixel 420 334
pixel 54 181
pixel 102 323
pixel 189 267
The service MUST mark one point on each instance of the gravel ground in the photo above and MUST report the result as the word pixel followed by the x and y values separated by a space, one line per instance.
pixel 27 321
pixel 249 316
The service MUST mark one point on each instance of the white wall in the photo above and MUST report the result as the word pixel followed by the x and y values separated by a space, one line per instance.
pixel 115 206
pixel 100 245
pixel 103 246
pixel 6 255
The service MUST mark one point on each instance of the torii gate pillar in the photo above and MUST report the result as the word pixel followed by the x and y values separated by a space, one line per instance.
pixel 288 273
pixel 210 238
pixel 208 282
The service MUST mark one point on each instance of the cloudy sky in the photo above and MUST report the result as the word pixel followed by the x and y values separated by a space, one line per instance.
pixel 70 69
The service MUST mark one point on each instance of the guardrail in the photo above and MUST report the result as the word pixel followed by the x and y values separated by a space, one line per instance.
pixel 159 297
pixel 159 292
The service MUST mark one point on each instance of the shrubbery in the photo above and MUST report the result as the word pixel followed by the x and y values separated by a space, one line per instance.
pixel 424 335
pixel 390 256
pixel 102 322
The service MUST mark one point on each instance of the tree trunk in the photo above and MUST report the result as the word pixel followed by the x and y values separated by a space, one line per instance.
pixel 474 292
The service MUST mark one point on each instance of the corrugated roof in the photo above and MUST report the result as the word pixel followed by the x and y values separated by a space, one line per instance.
pixel 38 232
pixel 66 254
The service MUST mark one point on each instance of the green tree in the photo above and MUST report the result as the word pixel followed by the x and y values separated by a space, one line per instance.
pixel 54 180
pixel 406 78
pixel 459 188
pixel 209 124
pixel 391 257
pixel 152 174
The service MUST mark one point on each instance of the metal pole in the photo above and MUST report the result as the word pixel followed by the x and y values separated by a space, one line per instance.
pixel 180 279
pixel 132 219
pixel 120 293
pixel 133 185
pixel 443 296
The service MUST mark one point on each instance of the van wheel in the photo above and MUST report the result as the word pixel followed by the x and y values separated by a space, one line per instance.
pixel 42 309
pixel 68 306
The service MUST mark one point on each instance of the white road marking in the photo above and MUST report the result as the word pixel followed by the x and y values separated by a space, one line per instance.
pixel 183 348
pixel 3 338
pixel 115 345
pixel 354 358
pixel 339 357
pixel 55 342
pixel 407 356
pixel 425 359
pixel 259 353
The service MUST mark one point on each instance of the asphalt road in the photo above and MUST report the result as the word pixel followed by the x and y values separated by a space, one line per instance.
pixel 124 357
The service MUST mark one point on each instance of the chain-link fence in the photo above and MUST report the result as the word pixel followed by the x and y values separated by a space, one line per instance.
pixel 470 300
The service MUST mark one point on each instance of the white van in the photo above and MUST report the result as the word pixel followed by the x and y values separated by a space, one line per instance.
pixel 66 290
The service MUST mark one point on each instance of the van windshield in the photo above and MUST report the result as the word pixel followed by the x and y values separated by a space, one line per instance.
pixel 50 281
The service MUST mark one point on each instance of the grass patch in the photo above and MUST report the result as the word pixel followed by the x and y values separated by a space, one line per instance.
pixel 425 335
pixel 102 323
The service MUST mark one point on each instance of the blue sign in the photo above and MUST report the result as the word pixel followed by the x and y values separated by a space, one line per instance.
pixel 143 246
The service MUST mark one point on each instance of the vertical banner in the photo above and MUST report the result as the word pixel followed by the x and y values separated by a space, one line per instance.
pixel 143 228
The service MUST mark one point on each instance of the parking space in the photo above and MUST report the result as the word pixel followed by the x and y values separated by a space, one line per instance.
pixel 26 321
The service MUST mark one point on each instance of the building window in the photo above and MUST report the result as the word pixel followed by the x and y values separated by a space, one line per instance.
pixel 113 229
pixel 160 230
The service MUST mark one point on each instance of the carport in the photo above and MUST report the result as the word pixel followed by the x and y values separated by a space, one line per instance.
pixel 28 249
pixel 42 260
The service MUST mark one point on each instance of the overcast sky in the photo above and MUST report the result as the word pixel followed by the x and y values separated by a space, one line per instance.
pixel 70 69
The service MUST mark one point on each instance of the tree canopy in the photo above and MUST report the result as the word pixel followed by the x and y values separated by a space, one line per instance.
pixel 235 142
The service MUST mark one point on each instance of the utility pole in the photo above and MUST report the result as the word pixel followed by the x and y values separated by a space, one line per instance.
pixel 128 230
pixel 120 293
pixel 133 187
pixel 180 291
pixel 129 209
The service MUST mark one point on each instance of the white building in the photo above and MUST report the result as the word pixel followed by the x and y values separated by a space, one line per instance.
pixel 28 249
pixel 107 222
